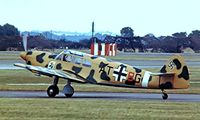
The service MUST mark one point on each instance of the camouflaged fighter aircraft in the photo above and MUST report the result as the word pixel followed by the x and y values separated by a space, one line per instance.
pixel 85 68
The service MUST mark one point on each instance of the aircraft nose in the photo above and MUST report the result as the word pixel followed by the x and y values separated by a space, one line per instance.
pixel 23 55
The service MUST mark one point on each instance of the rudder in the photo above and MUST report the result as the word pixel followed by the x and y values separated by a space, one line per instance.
pixel 177 65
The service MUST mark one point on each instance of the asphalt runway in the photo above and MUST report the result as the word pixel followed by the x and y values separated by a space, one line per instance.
pixel 104 96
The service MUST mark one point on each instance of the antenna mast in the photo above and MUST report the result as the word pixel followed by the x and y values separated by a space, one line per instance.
pixel 92 29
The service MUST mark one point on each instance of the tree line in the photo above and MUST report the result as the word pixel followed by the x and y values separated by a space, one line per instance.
pixel 173 44
pixel 10 39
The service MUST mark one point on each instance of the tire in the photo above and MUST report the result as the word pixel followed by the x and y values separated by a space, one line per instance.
pixel 68 90
pixel 68 95
pixel 164 96
pixel 52 91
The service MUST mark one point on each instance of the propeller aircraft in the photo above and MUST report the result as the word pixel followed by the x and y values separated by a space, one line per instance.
pixel 74 66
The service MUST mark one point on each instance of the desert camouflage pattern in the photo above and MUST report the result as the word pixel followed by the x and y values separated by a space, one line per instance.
pixel 86 68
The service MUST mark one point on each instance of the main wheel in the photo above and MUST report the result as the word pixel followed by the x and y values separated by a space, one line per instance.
pixel 52 90
pixel 68 90
pixel 68 95
pixel 164 96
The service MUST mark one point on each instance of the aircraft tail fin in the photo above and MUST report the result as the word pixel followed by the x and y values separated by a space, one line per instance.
pixel 177 65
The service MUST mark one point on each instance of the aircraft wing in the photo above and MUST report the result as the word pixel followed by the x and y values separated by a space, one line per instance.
pixel 50 72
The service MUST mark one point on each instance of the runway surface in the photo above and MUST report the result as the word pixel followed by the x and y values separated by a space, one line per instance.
pixel 104 96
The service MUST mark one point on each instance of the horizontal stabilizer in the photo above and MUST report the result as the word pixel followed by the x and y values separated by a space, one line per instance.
pixel 161 74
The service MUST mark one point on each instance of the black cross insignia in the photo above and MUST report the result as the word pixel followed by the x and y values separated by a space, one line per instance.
pixel 120 73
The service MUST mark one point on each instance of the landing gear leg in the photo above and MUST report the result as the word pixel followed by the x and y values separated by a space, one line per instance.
pixel 53 89
pixel 68 90
pixel 164 96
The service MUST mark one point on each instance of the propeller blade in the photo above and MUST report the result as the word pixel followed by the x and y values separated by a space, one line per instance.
pixel 24 40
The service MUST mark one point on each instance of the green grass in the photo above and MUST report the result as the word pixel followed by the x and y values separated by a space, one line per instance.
pixel 9 55
pixel 82 109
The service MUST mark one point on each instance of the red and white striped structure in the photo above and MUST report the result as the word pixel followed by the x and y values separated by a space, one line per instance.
pixel 103 49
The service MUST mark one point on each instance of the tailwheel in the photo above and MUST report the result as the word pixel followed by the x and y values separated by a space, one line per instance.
pixel 165 95
pixel 52 90
pixel 68 90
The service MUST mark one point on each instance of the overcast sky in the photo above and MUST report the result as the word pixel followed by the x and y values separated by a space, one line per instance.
pixel 160 17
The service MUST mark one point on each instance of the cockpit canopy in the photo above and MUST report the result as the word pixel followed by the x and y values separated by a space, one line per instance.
pixel 74 57
pixel 71 52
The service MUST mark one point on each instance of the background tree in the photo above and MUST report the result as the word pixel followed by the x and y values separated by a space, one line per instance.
pixel 126 38
pixel 9 37
pixel 180 35
pixel 127 32
pixel 85 43
pixel 168 44
pixel 195 39
pixel 150 41
pixel 10 30
pixel 2 30
pixel 181 40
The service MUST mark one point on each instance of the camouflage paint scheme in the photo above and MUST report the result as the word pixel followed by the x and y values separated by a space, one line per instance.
pixel 98 70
